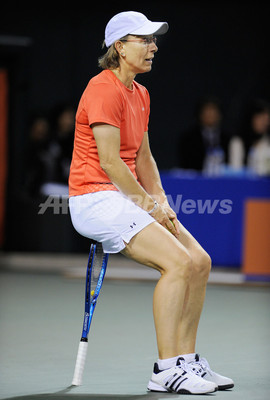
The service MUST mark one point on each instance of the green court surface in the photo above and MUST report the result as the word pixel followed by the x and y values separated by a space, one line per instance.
pixel 40 327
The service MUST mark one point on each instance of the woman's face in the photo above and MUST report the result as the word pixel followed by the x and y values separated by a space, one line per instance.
pixel 139 53
pixel 260 122
pixel 210 115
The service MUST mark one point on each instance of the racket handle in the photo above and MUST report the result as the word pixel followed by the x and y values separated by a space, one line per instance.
pixel 79 366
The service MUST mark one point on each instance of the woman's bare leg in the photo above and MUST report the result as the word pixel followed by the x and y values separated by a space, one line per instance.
pixel 156 247
pixel 195 294
pixel 180 292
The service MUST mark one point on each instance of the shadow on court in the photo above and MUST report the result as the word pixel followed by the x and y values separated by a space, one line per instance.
pixel 147 396
pixel 56 396
pixel 50 396
pixel 65 395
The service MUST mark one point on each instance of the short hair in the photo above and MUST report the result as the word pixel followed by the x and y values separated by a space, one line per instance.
pixel 110 60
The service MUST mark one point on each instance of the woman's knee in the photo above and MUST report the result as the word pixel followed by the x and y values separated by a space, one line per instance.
pixel 202 264
pixel 179 266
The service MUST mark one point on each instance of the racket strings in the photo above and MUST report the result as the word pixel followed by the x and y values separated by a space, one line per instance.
pixel 98 262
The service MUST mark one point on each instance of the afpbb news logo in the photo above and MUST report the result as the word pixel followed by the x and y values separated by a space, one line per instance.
pixel 59 205
pixel 200 206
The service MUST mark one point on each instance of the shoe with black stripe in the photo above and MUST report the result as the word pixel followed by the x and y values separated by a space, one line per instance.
pixel 179 379
pixel 201 368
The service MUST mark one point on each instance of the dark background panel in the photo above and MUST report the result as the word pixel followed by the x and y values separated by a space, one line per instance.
pixel 218 48
pixel 50 52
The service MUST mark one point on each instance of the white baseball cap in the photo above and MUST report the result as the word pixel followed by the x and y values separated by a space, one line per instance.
pixel 132 23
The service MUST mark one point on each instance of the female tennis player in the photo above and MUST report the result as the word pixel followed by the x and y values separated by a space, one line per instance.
pixel 116 198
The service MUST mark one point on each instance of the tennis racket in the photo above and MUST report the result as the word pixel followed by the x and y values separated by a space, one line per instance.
pixel 96 269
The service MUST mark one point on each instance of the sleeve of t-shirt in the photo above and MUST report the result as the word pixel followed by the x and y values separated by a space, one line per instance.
pixel 103 103
pixel 147 108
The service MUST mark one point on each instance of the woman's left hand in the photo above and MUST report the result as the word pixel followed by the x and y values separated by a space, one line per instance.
pixel 172 217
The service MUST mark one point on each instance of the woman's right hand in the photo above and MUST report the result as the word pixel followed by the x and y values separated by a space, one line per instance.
pixel 161 217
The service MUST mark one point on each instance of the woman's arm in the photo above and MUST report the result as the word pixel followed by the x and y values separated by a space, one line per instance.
pixel 148 175
pixel 147 171
pixel 108 144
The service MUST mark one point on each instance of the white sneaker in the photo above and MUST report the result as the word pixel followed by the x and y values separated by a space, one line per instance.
pixel 179 379
pixel 201 368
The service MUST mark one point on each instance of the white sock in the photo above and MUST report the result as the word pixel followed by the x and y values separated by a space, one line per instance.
pixel 167 363
pixel 188 357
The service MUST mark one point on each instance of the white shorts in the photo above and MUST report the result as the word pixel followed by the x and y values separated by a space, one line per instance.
pixel 108 217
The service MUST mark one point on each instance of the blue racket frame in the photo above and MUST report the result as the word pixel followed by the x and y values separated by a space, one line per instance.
pixel 91 301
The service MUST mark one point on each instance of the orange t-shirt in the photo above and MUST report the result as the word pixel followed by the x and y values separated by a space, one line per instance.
pixel 106 99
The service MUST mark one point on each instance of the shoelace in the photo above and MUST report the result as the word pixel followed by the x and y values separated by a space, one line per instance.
pixel 200 366
pixel 185 366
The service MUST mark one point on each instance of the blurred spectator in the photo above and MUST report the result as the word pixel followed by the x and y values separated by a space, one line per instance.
pixel 50 152
pixel 60 151
pixel 204 146
pixel 255 138
pixel 37 160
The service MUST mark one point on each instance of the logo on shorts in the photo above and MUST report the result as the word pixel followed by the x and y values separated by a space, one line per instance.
pixel 133 224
